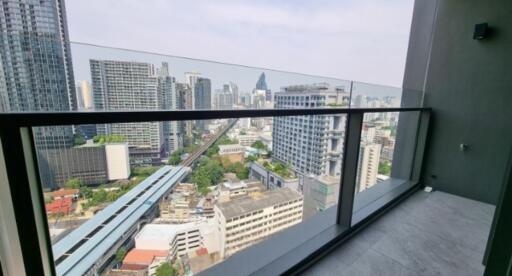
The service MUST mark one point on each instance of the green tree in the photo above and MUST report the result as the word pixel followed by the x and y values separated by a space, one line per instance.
pixel 384 168
pixel 120 254
pixel 225 140
pixel 192 148
pixel 213 150
pixel 165 269
pixel 208 172
pixel 78 139
pixel 175 158
pixel 113 138
pixel 243 174
pixel 112 196
pixel 86 192
pixel 99 196
pixel 259 145
pixel 251 158
pixel 144 171
pixel 73 183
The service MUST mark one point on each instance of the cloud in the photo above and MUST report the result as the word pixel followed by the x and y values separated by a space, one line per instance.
pixel 364 40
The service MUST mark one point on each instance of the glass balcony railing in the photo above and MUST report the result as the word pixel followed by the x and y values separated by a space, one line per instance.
pixel 186 165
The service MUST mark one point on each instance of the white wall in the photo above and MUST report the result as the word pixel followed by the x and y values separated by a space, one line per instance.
pixel 118 161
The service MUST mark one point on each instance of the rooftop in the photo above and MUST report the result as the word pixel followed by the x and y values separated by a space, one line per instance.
pixel 143 256
pixel 80 249
pixel 162 231
pixel 154 231
pixel 241 184
pixel 263 200
pixel 65 192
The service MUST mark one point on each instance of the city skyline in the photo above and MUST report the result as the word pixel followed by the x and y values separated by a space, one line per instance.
pixel 339 37
pixel 245 77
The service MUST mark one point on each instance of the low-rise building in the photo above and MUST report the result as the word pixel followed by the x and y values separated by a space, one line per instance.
pixel 233 153
pixel 178 207
pixel 230 190
pixel 271 179
pixel 320 193
pixel 204 207
pixel 178 239
pixel 91 163
pixel 142 259
pixel 248 139
pixel 247 220
pixel 65 193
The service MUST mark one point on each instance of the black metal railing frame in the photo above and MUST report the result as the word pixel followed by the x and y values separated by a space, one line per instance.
pixel 22 173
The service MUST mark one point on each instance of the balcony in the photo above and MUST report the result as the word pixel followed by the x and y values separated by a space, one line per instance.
pixel 135 181
pixel 421 236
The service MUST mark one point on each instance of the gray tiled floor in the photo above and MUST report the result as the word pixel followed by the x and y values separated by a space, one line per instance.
pixel 428 234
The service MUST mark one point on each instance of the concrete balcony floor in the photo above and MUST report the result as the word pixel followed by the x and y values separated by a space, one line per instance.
pixel 427 234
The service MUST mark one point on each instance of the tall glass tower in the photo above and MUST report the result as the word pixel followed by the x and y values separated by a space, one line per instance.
pixel 36 71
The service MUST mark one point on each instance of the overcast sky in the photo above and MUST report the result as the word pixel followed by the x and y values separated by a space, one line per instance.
pixel 363 40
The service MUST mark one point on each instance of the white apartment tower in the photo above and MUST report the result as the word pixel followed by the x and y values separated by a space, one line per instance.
pixel 311 144
pixel 126 85
pixel 369 156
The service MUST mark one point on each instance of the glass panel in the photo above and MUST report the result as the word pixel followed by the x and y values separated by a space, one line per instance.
pixel 366 95
pixel 385 160
pixel 159 178
pixel 136 196
pixel 199 84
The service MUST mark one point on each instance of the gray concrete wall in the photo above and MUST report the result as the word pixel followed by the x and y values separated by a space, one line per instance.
pixel 469 86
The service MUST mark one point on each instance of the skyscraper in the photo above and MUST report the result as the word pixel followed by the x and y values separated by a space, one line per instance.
pixel 223 100
pixel 184 95
pixel 202 99
pixel 261 85
pixel 191 80
pixel 311 144
pixel 203 94
pixel 169 101
pixel 234 89
pixel 36 71
pixel 123 85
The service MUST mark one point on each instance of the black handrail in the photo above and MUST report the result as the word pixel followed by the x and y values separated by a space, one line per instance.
pixel 25 119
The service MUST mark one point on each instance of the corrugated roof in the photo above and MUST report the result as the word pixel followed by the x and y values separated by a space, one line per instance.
pixel 143 256
pixel 77 252
pixel 240 206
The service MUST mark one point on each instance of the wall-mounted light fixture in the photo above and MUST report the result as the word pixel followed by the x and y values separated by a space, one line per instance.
pixel 482 31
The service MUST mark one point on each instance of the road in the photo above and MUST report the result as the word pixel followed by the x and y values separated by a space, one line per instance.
pixel 203 148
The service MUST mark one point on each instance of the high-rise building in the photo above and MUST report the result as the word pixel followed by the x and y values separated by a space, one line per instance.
pixel 203 94
pixel 124 85
pixel 244 221
pixel 84 95
pixel 261 84
pixel 184 95
pixel 202 99
pixel 369 156
pixel 223 100
pixel 167 89
pixel 262 88
pixel 311 144
pixel 234 90
pixel 191 80
pixel 36 71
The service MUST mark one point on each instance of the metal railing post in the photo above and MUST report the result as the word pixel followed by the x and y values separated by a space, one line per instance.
pixel 20 174
pixel 349 168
